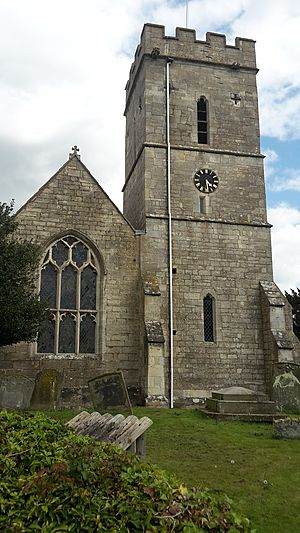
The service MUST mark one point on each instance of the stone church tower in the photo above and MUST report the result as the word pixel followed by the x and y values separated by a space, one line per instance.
pixel 195 187
pixel 177 292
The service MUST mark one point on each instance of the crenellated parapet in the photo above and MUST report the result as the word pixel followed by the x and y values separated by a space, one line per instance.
pixel 155 43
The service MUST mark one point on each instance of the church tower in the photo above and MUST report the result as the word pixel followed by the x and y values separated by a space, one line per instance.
pixel 195 189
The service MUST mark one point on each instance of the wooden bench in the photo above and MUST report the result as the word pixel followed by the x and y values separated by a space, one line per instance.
pixel 128 433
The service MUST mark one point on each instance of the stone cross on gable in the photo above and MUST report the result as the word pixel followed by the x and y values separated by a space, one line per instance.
pixel 74 152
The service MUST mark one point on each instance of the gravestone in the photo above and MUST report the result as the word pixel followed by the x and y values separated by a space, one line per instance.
pixel 15 390
pixel 286 386
pixel 47 389
pixel 286 428
pixel 109 393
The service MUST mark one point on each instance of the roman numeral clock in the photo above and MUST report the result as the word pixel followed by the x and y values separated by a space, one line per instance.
pixel 206 180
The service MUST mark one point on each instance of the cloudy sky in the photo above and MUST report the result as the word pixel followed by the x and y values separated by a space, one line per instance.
pixel 64 65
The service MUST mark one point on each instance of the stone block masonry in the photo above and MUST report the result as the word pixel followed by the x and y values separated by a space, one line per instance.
pixel 72 202
pixel 220 241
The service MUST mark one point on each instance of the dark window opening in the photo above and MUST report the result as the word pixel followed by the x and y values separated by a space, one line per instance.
pixel 209 318
pixel 202 205
pixel 202 122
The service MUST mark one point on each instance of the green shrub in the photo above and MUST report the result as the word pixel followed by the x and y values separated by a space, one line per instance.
pixel 54 481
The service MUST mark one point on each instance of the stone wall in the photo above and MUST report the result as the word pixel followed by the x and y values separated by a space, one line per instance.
pixel 225 249
pixel 73 202
pixel 226 261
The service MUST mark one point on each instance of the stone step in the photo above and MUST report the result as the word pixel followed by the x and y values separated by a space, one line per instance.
pixel 244 407
pixel 244 417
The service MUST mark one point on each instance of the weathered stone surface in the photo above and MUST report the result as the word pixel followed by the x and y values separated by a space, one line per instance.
pixel 108 392
pixel 154 332
pixel 47 389
pixel 151 286
pixel 15 390
pixel 286 386
pixel 287 428
pixel 282 339
pixel 235 393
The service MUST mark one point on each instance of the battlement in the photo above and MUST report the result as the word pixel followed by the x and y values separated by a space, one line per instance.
pixel 184 45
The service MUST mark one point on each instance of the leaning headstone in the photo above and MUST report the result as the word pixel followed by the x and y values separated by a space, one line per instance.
pixel 47 389
pixel 15 390
pixel 109 393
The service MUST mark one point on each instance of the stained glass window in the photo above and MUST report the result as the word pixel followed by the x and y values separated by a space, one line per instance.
pixel 69 284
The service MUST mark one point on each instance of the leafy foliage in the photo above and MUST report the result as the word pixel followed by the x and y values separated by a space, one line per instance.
pixel 54 481
pixel 21 312
pixel 294 300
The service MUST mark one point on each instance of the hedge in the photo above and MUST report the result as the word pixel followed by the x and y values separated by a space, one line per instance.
pixel 54 481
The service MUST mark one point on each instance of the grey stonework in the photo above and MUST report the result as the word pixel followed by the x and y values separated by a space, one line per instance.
pixel 222 248
pixel 72 202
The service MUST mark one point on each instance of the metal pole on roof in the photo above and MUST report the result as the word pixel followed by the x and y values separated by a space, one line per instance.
pixel 186 12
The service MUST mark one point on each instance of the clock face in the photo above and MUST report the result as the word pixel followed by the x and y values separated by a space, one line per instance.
pixel 206 180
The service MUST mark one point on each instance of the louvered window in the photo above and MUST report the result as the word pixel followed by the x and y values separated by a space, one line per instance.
pixel 202 120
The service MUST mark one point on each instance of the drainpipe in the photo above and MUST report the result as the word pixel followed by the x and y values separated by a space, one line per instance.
pixel 170 250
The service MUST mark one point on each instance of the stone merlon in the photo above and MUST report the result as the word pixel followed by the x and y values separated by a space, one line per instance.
pixel 185 46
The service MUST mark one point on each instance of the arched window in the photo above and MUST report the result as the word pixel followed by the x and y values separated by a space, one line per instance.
pixel 68 284
pixel 209 318
pixel 202 120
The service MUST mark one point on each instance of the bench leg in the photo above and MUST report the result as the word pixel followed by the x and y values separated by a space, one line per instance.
pixel 141 446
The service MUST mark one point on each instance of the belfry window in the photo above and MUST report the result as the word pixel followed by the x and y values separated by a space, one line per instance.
pixel 68 284
pixel 202 120
pixel 209 318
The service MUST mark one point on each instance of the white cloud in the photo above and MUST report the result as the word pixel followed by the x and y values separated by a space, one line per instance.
pixel 274 24
pixel 286 245
pixel 290 183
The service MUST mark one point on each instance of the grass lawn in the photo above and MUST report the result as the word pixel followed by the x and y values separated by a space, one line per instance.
pixel 261 474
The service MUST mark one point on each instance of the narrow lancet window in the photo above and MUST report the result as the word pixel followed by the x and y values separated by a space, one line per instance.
pixel 202 120
pixel 209 318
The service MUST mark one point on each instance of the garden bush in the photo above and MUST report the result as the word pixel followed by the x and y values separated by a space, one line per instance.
pixel 54 481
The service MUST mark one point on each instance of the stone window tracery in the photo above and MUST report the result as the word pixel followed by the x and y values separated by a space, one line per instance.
pixel 69 285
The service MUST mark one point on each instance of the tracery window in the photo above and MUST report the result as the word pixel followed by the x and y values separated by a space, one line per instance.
pixel 202 120
pixel 68 284
pixel 209 318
